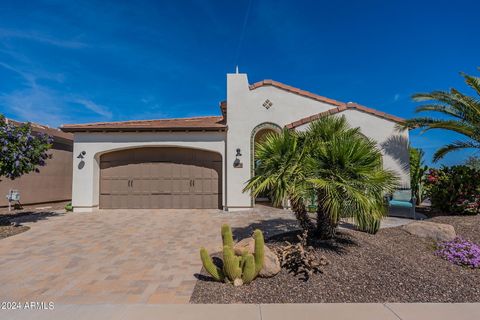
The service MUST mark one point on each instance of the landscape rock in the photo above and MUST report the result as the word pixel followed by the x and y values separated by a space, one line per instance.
pixel 271 264
pixel 432 230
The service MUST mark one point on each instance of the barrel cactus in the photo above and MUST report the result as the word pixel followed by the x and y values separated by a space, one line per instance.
pixel 236 269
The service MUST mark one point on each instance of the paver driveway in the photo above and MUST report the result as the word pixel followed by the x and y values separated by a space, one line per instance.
pixel 120 256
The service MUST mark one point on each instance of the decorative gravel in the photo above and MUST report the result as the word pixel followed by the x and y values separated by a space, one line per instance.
pixel 391 266
pixel 8 231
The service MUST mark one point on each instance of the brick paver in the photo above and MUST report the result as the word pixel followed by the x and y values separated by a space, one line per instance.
pixel 120 256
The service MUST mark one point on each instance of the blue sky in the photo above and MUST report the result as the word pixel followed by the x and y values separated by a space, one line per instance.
pixel 83 61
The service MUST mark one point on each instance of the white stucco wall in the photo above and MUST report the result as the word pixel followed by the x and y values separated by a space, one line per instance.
pixel 85 188
pixel 245 112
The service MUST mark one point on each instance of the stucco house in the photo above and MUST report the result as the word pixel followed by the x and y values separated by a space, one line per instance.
pixel 204 162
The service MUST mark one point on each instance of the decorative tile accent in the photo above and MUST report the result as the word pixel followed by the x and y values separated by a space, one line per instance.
pixel 267 104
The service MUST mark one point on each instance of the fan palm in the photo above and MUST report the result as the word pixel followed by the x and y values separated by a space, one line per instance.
pixel 280 172
pixel 347 174
pixel 462 115
pixel 339 164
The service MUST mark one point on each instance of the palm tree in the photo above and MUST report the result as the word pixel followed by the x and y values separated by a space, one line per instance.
pixel 280 172
pixel 417 173
pixel 462 115
pixel 339 164
pixel 347 174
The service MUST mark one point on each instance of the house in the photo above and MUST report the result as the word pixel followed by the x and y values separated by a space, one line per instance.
pixel 53 182
pixel 204 162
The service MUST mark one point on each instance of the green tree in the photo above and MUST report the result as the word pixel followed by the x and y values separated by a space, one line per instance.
pixel 418 169
pixel 473 162
pixel 338 163
pixel 21 151
pixel 461 114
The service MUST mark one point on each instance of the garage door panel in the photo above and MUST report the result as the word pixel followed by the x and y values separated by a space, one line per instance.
pixel 160 178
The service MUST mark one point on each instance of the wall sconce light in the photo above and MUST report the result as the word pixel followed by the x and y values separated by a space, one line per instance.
pixel 81 164
pixel 237 163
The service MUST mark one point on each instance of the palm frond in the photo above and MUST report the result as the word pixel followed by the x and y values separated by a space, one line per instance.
pixel 455 146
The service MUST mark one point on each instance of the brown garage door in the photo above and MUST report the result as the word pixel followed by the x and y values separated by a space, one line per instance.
pixel 148 178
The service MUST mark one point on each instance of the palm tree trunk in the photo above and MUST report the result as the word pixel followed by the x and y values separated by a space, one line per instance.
pixel 325 226
pixel 301 213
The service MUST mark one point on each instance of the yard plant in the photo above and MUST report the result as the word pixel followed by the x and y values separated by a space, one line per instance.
pixel 460 252
pixel 21 151
pixel 454 190
pixel 418 169
pixel 237 270
pixel 342 167
pixel 459 112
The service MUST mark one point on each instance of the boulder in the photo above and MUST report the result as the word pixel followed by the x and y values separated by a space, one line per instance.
pixel 271 264
pixel 432 230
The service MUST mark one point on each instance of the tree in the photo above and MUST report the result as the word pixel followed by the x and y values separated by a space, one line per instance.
pixel 473 162
pixel 280 172
pixel 418 170
pixel 21 151
pixel 338 163
pixel 462 115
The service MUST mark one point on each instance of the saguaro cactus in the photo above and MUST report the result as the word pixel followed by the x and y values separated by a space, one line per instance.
pixel 236 269
pixel 231 264
pixel 227 236
pixel 259 253
pixel 248 273
pixel 211 268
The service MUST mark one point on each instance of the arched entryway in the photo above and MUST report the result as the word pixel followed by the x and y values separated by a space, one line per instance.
pixel 259 133
pixel 161 177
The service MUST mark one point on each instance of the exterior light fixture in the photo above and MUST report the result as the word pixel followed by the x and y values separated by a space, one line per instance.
pixel 81 155
pixel 237 163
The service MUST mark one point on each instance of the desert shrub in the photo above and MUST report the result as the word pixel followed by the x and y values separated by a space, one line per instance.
pixel 454 190
pixel 460 252
pixel 300 258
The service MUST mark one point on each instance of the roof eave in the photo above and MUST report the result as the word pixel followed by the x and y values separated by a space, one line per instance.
pixel 141 129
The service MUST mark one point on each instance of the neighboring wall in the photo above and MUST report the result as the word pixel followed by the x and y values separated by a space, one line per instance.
pixel 52 183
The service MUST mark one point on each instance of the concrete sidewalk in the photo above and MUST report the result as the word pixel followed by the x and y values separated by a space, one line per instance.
pixel 333 311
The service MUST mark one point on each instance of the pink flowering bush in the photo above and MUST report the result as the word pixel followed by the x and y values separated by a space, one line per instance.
pixel 460 252
pixel 454 190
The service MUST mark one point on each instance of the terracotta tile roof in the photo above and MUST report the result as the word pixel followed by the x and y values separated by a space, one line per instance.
pixel 341 106
pixel 53 132
pixel 339 109
pixel 213 123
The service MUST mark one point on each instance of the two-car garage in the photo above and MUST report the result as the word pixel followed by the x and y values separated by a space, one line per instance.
pixel 160 177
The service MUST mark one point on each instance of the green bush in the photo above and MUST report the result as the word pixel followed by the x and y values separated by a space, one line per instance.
pixel 454 190
pixel 69 207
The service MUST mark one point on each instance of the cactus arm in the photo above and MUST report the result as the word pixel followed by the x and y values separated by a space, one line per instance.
pixel 227 236
pixel 211 268
pixel 259 253
pixel 231 264
pixel 249 272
